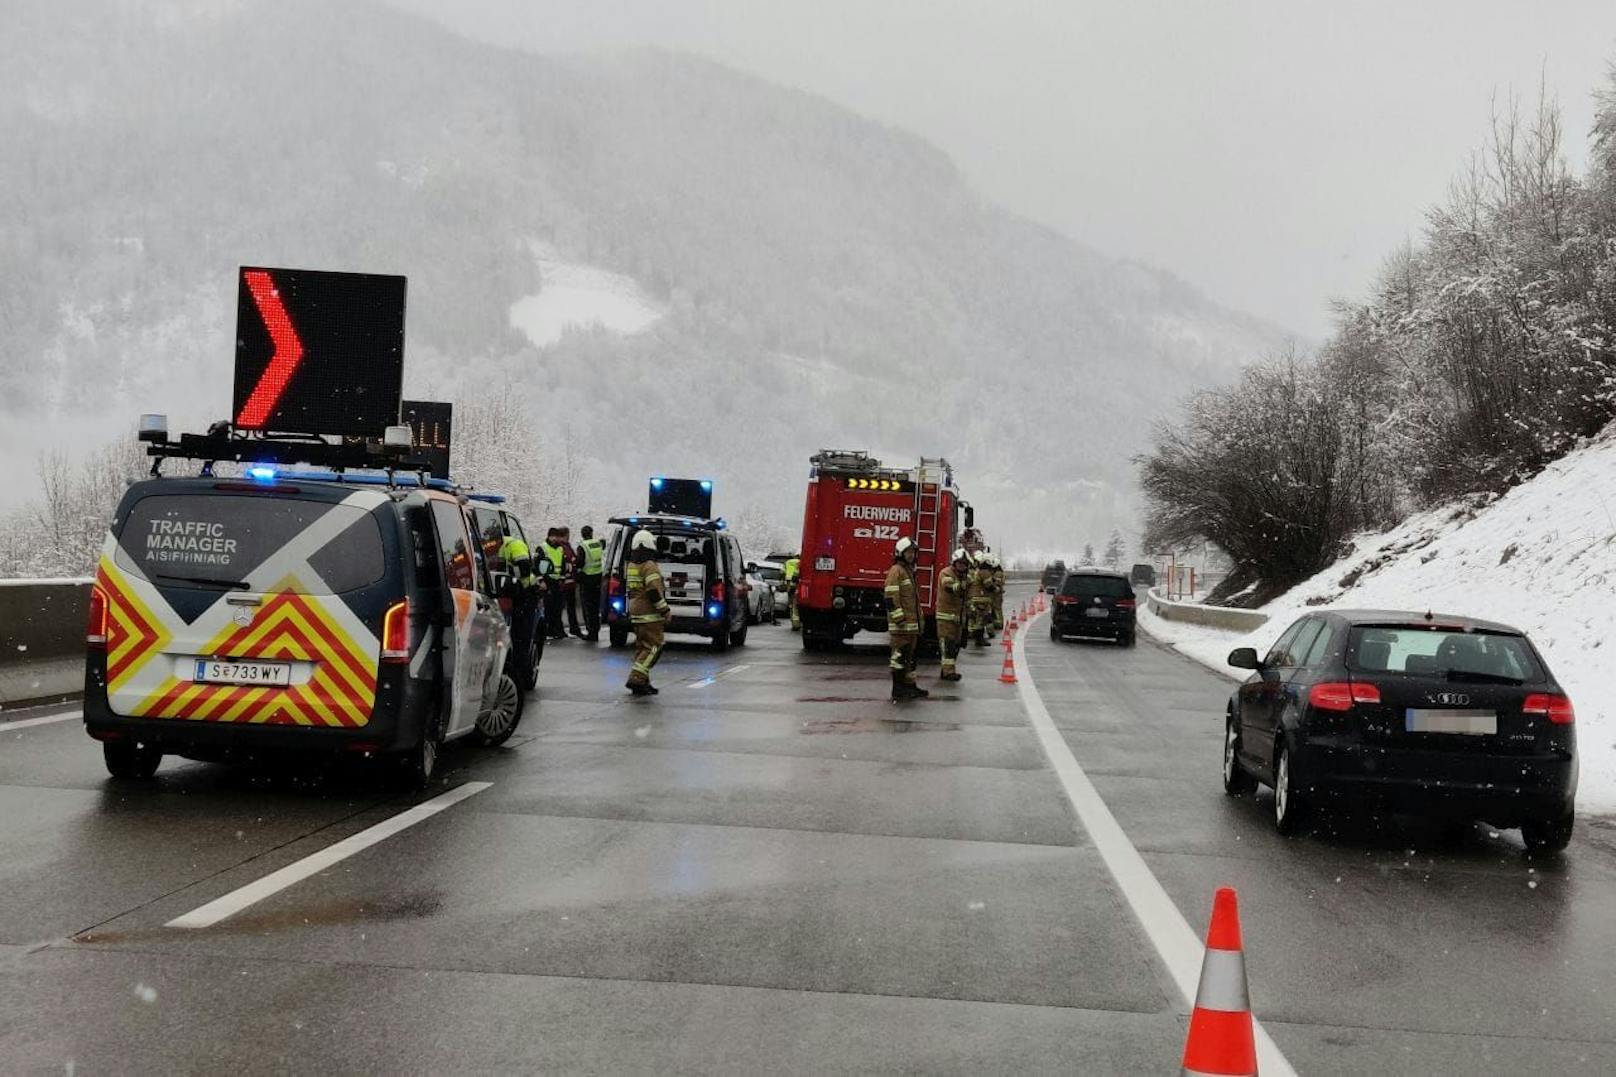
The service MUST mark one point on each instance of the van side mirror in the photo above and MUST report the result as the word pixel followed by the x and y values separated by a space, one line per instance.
pixel 1244 658
pixel 970 516
pixel 751 566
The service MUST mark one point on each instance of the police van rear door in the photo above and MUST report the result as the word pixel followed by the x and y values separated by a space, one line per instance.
pixel 250 603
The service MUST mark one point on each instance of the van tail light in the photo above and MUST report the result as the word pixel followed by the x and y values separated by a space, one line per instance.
pixel 95 631
pixel 1342 695
pixel 717 591
pixel 1556 708
pixel 614 586
pixel 396 632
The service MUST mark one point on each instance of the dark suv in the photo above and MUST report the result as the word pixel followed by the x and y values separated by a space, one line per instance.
pixel 1143 574
pixel 1054 573
pixel 1092 602
pixel 1405 711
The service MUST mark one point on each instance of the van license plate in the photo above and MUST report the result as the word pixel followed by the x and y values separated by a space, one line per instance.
pixel 211 671
pixel 1478 723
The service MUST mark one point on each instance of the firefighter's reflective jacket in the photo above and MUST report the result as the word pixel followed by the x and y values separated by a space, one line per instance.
pixel 903 604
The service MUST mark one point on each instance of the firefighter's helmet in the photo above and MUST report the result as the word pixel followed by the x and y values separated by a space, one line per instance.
pixel 904 545
pixel 643 540
pixel 962 554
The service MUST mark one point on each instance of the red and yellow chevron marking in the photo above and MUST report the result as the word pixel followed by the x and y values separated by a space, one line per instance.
pixel 287 626
pixel 134 633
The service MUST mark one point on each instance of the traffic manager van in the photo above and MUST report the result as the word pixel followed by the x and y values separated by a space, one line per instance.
pixel 238 618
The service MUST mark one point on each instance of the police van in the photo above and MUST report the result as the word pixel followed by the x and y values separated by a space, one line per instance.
pixel 284 611
pixel 704 570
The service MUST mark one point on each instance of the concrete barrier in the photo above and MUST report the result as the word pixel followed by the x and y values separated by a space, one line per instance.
pixel 1212 616
pixel 41 640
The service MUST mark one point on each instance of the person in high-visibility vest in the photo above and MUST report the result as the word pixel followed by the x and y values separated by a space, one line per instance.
pixel 551 549
pixel 648 610
pixel 792 571
pixel 523 589
pixel 903 620
pixel 591 570
pixel 953 592
pixel 997 591
pixel 981 608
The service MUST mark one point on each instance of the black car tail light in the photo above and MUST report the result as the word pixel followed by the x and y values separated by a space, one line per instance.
pixel 1551 705
pixel 1342 695
pixel 1126 604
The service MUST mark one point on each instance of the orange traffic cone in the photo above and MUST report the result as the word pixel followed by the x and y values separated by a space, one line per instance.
pixel 1221 1040
pixel 1007 673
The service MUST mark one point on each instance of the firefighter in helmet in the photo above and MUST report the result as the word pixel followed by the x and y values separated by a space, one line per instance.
pixel 998 593
pixel 648 610
pixel 952 600
pixel 903 620
pixel 981 604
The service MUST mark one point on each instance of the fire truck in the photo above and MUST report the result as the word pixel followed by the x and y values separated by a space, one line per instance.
pixel 857 509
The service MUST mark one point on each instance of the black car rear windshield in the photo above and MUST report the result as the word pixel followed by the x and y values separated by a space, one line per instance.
pixel 1104 586
pixel 202 540
pixel 1440 652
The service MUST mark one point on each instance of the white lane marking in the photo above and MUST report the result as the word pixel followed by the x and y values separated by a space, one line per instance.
pixel 705 681
pixel 276 881
pixel 29 723
pixel 1180 948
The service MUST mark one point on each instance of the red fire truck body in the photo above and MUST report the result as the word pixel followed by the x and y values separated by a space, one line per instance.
pixel 857 510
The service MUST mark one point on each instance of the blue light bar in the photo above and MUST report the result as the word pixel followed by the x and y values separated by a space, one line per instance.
pixel 656 484
pixel 706 484
pixel 261 473
pixel 409 478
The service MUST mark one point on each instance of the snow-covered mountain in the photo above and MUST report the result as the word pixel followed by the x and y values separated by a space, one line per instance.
pixel 777 273
pixel 1542 558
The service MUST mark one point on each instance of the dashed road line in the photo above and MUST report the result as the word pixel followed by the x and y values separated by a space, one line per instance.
pixel 29 723
pixel 705 681
pixel 222 908
pixel 1177 944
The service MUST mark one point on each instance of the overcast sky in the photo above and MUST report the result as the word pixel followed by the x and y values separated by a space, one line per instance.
pixel 1270 152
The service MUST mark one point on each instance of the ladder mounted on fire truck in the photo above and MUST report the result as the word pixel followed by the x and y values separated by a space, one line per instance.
pixel 930 478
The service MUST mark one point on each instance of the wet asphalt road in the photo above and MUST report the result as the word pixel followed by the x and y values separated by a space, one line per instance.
pixel 770 867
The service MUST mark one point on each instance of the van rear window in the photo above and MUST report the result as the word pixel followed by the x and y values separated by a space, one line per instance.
pixel 187 540
pixel 1106 586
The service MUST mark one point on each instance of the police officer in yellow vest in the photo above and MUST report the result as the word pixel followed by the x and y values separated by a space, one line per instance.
pixel 953 592
pixel 591 569
pixel 523 590
pixel 648 610
pixel 903 620
pixel 550 549
pixel 792 571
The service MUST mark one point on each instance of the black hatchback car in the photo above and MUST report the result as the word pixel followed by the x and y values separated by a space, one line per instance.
pixel 1092 602
pixel 1405 712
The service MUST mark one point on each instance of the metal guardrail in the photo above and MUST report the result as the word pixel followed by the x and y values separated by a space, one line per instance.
pixel 1226 617
pixel 41 640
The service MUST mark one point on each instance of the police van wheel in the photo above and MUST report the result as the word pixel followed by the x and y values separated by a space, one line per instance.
pixel 495 725
pixel 131 760
pixel 617 637
pixel 721 638
pixel 739 638
pixel 420 763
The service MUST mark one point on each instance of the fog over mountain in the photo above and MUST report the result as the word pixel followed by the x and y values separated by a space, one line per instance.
pixel 677 268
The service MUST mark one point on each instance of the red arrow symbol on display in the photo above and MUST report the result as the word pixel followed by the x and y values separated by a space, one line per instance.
pixel 288 351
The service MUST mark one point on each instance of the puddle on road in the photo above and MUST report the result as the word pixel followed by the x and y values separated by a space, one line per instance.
pixel 408 907
pixel 875 725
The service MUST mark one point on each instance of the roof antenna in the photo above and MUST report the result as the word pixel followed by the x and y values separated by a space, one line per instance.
pixel 1429 616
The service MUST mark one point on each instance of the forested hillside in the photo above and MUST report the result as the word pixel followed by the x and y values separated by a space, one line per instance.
pixel 825 280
